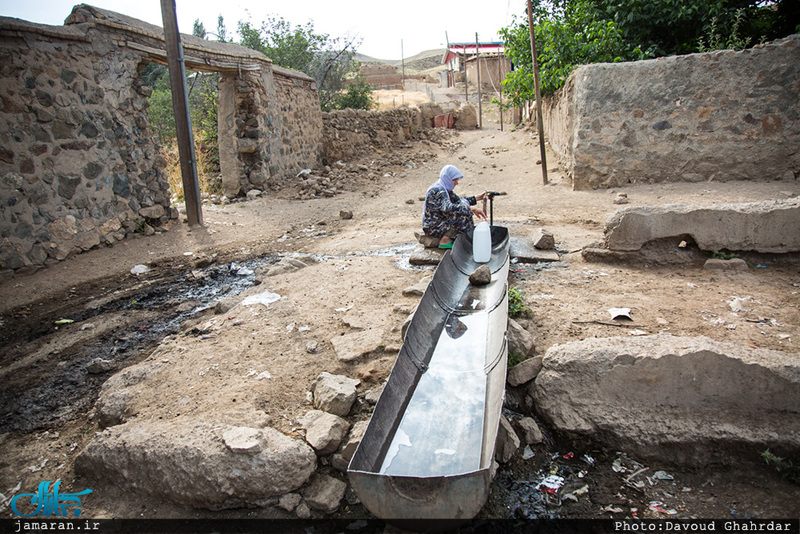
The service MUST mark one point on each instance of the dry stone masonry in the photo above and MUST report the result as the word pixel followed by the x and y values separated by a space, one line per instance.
pixel 80 166
pixel 721 115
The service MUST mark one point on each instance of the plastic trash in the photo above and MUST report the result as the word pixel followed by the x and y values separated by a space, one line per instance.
pixel 551 484
pixel 482 243
pixel 140 269
pixel 266 298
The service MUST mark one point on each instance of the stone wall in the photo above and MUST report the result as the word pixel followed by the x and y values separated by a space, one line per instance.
pixel 270 128
pixel 78 163
pixel 349 133
pixel 713 116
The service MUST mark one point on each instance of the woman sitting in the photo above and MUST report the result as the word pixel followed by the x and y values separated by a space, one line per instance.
pixel 445 214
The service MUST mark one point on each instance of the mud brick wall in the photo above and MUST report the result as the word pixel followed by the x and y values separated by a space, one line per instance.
pixel 714 116
pixel 78 163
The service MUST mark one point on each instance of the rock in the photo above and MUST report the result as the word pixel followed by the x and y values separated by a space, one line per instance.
pixel 481 276
pixel 716 227
pixel 680 399
pixel 324 431
pixel 426 256
pixel 426 240
pixel 507 441
pixel 356 345
pixel 374 394
pixel 243 440
pixel 253 194
pixel 153 212
pixel 520 341
pixel 99 365
pixel 621 198
pixel 345 215
pixel 544 240
pixel 531 434
pixel 302 511
pixel 523 250
pixel 334 393
pixel 418 289
pixel 353 439
pixel 289 501
pixel 524 372
pixel 735 264
pixel 311 347
pixel 325 493
pixel 188 462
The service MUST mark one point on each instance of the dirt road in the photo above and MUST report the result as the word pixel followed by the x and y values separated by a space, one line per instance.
pixel 359 284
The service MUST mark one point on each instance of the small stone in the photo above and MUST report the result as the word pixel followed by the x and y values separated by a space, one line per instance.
pixel 311 347
pixel 345 215
pixel 99 365
pixel 243 440
pixel 481 276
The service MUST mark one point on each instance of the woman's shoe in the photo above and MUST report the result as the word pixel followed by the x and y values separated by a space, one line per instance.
pixel 446 245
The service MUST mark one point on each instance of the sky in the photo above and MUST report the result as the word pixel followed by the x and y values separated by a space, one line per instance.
pixel 388 30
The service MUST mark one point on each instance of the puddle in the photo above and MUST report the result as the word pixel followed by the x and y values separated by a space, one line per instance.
pixel 58 387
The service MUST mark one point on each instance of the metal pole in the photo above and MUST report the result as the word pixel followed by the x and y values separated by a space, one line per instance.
pixel 478 69
pixel 180 106
pixel 538 94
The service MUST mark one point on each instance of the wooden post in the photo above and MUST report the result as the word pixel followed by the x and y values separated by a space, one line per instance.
pixel 478 71
pixel 538 94
pixel 451 79
pixel 500 87
pixel 466 80
pixel 403 60
pixel 180 106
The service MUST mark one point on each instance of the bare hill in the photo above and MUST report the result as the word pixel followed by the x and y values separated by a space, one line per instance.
pixel 424 61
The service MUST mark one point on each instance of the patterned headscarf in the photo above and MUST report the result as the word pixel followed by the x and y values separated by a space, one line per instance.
pixel 446 177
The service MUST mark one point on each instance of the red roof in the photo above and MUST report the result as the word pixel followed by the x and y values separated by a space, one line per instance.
pixel 468 49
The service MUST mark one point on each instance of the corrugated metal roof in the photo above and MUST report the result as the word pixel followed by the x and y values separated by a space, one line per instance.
pixel 468 49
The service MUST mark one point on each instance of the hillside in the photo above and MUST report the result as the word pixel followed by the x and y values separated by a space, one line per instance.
pixel 427 60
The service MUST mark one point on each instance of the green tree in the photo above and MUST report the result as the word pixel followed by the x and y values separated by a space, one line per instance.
pixel 330 61
pixel 358 95
pixel 570 33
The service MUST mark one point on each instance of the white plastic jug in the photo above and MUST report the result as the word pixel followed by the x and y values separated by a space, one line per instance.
pixel 482 243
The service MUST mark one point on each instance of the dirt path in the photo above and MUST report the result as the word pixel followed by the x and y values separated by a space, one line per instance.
pixel 359 284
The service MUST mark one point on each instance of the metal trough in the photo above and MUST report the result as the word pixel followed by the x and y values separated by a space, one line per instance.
pixel 427 452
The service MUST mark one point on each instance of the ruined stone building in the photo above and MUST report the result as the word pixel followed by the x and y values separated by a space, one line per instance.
pixel 79 164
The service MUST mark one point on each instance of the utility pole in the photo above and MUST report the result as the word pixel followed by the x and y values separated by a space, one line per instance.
pixel 538 95
pixel 451 81
pixel 180 106
pixel 403 61
pixel 478 70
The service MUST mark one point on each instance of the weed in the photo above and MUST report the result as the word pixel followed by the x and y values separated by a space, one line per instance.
pixel 722 255
pixel 514 358
pixel 516 303
pixel 786 468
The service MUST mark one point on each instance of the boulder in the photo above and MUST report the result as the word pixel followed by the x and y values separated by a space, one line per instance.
pixel 531 434
pixel 544 240
pixel 682 399
pixel 751 226
pixel 325 493
pixel 520 341
pixel 324 431
pixel 335 393
pixel 507 441
pixel 524 250
pixel 524 372
pixel 356 345
pixel 198 463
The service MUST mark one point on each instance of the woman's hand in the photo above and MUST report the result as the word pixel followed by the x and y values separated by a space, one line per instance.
pixel 480 196
pixel 478 212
